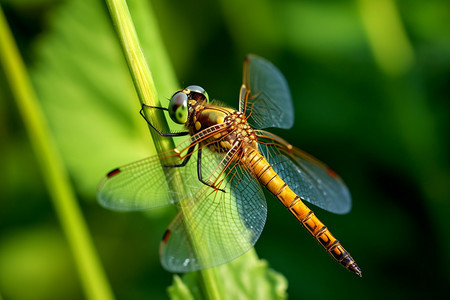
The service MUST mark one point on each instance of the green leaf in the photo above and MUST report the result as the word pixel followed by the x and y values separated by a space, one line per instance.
pixel 180 290
pixel 246 277
pixel 87 93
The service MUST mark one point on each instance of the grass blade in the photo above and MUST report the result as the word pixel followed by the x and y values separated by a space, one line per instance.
pixel 91 273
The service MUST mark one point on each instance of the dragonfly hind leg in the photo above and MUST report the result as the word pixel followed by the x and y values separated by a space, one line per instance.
pixel 199 172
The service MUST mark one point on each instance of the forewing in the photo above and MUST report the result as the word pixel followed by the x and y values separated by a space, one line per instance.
pixel 309 178
pixel 149 183
pixel 215 227
pixel 269 101
pixel 152 182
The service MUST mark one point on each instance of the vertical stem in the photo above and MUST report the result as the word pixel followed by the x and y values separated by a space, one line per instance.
pixel 140 72
pixel 55 175
pixel 146 90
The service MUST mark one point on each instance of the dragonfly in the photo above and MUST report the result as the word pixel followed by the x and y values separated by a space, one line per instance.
pixel 216 175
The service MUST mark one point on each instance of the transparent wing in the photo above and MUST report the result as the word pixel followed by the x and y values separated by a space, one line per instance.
pixel 147 183
pixel 214 227
pixel 265 95
pixel 309 178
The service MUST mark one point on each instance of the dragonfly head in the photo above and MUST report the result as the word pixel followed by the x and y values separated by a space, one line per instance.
pixel 179 103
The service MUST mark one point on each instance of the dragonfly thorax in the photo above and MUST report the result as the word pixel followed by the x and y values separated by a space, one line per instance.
pixel 239 126
pixel 223 138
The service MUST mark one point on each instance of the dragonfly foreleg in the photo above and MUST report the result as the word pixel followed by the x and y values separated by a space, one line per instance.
pixel 199 172
pixel 156 129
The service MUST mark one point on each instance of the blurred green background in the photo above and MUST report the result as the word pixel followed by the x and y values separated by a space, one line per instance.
pixel 370 82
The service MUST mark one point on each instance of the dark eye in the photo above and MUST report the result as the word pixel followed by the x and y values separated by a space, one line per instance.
pixel 178 108
pixel 195 89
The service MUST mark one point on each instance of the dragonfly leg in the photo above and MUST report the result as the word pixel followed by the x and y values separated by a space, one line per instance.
pixel 185 160
pixel 156 129
pixel 199 172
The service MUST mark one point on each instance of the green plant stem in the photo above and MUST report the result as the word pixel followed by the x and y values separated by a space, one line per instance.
pixel 147 94
pixel 140 72
pixel 55 175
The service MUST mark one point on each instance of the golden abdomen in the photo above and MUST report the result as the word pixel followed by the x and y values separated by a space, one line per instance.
pixel 267 176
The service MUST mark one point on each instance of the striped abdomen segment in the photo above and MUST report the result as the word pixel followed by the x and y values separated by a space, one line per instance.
pixel 270 179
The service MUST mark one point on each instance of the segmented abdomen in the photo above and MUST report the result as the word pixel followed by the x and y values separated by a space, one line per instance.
pixel 270 179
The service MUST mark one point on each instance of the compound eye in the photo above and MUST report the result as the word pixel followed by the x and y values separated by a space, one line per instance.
pixel 199 90
pixel 178 108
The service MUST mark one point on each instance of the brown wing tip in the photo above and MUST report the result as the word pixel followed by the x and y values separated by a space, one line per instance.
pixel 332 173
pixel 166 236
pixel 113 173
